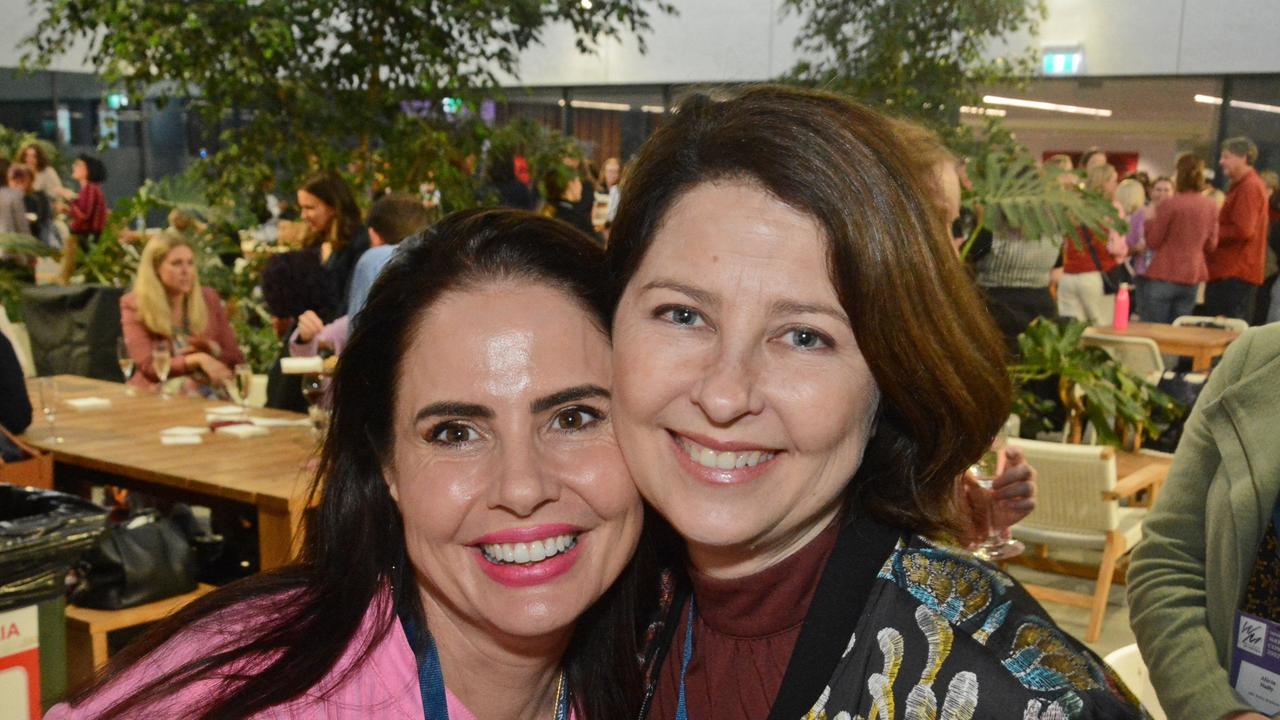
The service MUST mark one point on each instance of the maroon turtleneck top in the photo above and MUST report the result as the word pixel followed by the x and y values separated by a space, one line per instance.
pixel 743 633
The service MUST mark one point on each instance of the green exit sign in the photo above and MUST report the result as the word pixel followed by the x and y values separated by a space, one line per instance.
pixel 1068 61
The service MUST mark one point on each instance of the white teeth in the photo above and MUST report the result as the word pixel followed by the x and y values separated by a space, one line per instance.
pixel 726 460
pixel 526 553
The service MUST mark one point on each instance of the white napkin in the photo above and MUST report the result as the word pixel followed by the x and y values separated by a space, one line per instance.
pixel 181 439
pixel 301 365
pixel 89 403
pixel 184 430
pixel 268 422
pixel 241 431
pixel 225 410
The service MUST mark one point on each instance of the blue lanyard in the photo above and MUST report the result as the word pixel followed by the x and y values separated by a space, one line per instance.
pixel 682 712
pixel 435 704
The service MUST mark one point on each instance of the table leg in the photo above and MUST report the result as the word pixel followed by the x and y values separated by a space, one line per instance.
pixel 277 536
pixel 1202 361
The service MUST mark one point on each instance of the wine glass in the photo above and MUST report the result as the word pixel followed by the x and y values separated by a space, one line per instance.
pixel 313 393
pixel 996 546
pixel 49 405
pixel 161 358
pixel 243 375
pixel 126 364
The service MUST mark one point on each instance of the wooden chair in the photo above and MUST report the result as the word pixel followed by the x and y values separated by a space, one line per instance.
pixel 1139 354
pixel 1078 506
pixel 87 630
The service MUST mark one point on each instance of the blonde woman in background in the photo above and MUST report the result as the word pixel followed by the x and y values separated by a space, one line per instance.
pixel 1081 292
pixel 1131 196
pixel 169 307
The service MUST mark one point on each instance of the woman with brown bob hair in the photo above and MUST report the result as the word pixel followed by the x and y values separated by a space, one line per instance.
pixel 801 371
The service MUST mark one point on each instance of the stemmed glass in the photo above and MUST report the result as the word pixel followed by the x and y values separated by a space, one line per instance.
pixel 49 405
pixel 996 546
pixel 313 393
pixel 126 364
pixel 161 358
pixel 243 375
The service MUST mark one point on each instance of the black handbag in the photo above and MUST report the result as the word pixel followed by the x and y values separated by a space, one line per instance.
pixel 144 560
pixel 1112 279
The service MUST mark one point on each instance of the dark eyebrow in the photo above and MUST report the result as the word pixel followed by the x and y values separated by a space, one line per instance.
pixel 793 307
pixel 456 409
pixel 567 395
pixel 701 297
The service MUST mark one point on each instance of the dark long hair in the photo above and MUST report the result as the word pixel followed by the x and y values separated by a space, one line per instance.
pixel 931 346
pixel 330 189
pixel 304 617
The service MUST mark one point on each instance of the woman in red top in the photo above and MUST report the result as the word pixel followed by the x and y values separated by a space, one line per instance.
pixel 1081 293
pixel 89 209
pixel 1183 231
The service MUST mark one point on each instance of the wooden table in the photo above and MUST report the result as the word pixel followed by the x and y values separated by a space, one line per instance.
pixel 121 444
pixel 1201 344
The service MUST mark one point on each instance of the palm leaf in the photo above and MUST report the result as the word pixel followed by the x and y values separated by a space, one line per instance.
pixel 1018 195
pixel 20 244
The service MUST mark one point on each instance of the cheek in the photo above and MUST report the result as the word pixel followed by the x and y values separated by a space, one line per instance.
pixel 829 412
pixel 434 498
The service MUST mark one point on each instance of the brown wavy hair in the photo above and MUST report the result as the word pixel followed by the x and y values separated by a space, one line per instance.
pixel 926 335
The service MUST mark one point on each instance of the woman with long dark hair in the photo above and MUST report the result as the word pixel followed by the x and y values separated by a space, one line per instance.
pixel 473 513
pixel 801 370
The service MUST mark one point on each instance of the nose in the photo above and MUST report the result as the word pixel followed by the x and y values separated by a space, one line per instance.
pixel 729 387
pixel 524 481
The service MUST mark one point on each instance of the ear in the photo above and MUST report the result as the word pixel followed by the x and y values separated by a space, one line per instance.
pixel 393 483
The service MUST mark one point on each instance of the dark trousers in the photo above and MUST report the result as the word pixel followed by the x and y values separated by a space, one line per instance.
pixel 1230 297
pixel 1164 302
pixel 1013 309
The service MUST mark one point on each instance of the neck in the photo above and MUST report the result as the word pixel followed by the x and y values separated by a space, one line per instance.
pixel 727 562
pixel 496 675
pixel 175 301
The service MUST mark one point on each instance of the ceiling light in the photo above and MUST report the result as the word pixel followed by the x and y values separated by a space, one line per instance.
pixel 1240 104
pixel 1051 107
pixel 593 105
pixel 993 112
pixel 655 109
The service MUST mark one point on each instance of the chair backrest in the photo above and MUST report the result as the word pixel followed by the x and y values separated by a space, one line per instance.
pixel 1139 354
pixel 1209 321
pixel 1070 482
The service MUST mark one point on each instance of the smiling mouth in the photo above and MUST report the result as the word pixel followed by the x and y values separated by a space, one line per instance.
pixel 723 459
pixel 528 553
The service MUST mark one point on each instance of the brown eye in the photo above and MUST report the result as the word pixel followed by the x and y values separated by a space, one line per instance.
pixel 575 418
pixel 453 434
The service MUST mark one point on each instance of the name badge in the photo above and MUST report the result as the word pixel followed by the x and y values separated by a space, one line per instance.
pixel 1255 662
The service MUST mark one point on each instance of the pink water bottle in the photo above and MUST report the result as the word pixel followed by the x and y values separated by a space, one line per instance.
pixel 1120 320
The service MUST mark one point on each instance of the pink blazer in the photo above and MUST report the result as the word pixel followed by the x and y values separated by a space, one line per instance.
pixel 385 685
pixel 139 340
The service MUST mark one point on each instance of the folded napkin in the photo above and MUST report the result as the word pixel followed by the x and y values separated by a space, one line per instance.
pixel 241 431
pixel 184 430
pixel 267 422
pixel 225 410
pixel 89 403
pixel 301 365
pixel 181 439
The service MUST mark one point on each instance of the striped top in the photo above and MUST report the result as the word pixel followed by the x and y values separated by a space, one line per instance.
pixel 1018 262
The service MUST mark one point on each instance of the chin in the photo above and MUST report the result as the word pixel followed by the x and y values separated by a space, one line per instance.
pixel 534 618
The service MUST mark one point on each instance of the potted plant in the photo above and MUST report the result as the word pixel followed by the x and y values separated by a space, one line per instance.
pixel 1091 387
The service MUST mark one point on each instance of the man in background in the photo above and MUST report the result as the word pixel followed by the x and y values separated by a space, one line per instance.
pixel 1235 267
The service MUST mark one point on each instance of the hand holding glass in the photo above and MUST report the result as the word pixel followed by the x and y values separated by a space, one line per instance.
pixel 996 546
